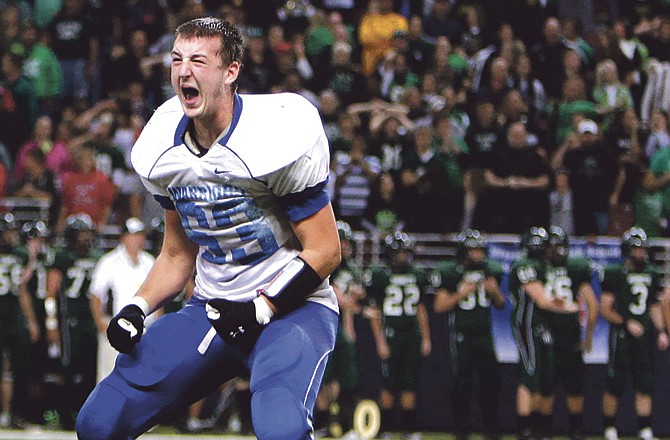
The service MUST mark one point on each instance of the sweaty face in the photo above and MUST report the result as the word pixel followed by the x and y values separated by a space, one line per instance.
pixel 199 76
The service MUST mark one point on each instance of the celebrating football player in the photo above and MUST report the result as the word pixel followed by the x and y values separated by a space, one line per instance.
pixel 242 180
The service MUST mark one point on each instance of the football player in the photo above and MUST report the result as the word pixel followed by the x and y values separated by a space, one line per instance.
pixel 532 335
pixel 337 396
pixel 47 377
pixel 629 302
pixel 242 180
pixel 568 282
pixel 400 328
pixel 18 324
pixel 68 280
pixel 469 286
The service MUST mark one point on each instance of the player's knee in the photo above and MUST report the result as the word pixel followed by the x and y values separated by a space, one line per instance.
pixel 100 416
pixel 279 415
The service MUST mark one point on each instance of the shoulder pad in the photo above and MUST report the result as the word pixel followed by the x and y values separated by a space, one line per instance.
pixel 157 136
pixel 274 131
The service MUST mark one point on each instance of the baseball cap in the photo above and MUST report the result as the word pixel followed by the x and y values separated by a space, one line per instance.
pixel 133 226
pixel 399 33
pixel 587 126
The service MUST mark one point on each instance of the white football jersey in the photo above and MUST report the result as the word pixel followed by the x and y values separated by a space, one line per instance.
pixel 236 199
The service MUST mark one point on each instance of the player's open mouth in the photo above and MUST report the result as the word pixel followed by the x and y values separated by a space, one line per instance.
pixel 190 94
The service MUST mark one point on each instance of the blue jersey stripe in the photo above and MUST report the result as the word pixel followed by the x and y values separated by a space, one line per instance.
pixel 165 202
pixel 299 206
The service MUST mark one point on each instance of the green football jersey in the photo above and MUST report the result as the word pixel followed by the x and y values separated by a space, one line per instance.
pixel 524 309
pixel 37 284
pixel 472 313
pixel 563 284
pixel 634 292
pixel 397 294
pixel 77 273
pixel 345 275
pixel 11 269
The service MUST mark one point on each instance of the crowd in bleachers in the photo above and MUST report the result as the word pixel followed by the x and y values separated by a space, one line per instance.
pixel 441 115
pixel 465 106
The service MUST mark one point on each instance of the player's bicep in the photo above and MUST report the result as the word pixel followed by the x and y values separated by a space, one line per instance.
pixel 176 245
pixel 319 239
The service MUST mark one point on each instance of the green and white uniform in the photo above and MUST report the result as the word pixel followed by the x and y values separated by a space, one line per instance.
pixel 471 342
pixel 634 293
pixel 532 336
pixel 563 283
pixel 398 295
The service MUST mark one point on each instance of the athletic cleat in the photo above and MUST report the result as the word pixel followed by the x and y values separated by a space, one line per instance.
pixel 413 436
pixel 611 433
pixel 646 434
pixel 5 420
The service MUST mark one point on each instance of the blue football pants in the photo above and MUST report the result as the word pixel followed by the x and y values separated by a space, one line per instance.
pixel 180 360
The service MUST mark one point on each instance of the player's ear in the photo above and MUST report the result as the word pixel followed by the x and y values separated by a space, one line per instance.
pixel 231 73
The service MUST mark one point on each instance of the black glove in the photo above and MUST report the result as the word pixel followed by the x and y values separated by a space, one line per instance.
pixel 126 328
pixel 234 321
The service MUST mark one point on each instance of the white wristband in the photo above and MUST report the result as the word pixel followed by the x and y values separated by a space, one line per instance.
pixel 263 311
pixel 141 303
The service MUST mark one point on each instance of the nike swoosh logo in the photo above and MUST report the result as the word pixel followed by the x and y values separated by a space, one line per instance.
pixel 218 171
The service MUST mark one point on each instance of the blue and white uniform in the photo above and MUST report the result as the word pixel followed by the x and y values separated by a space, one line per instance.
pixel 235 199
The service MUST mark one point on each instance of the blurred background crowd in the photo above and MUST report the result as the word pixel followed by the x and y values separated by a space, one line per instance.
pixel 502 115
pixel 442 115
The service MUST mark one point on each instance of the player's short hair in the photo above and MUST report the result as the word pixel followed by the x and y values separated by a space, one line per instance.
pixel 231 41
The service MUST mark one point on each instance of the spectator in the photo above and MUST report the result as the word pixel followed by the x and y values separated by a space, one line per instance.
pixel 57 156
pixel 655 35
pixel 517 182
pixel 43 68
pixel 441 22
pixel 38 182
pixel 610 95
pixel 10 25
pixel 396 76
pixel 384 214
pixel 260 66
pixel 498 83
pixel 658 136
pixel 596 178
pixel 344 77
pixel 375 32
pixel 482 136
pixel 561 203
pixel 623 137
pixel 473 37
pixel 76 44
pixel 531 90
pixel 356 175
pixel 547 56
pixel 18 104
pixel 573 103
pixel 650 210
pixel 419 47
pixel 86 190
pixel 633 59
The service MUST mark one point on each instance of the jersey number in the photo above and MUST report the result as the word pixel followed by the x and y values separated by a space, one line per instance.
pixel 475 298
pixel 641 292
pixel 401 300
